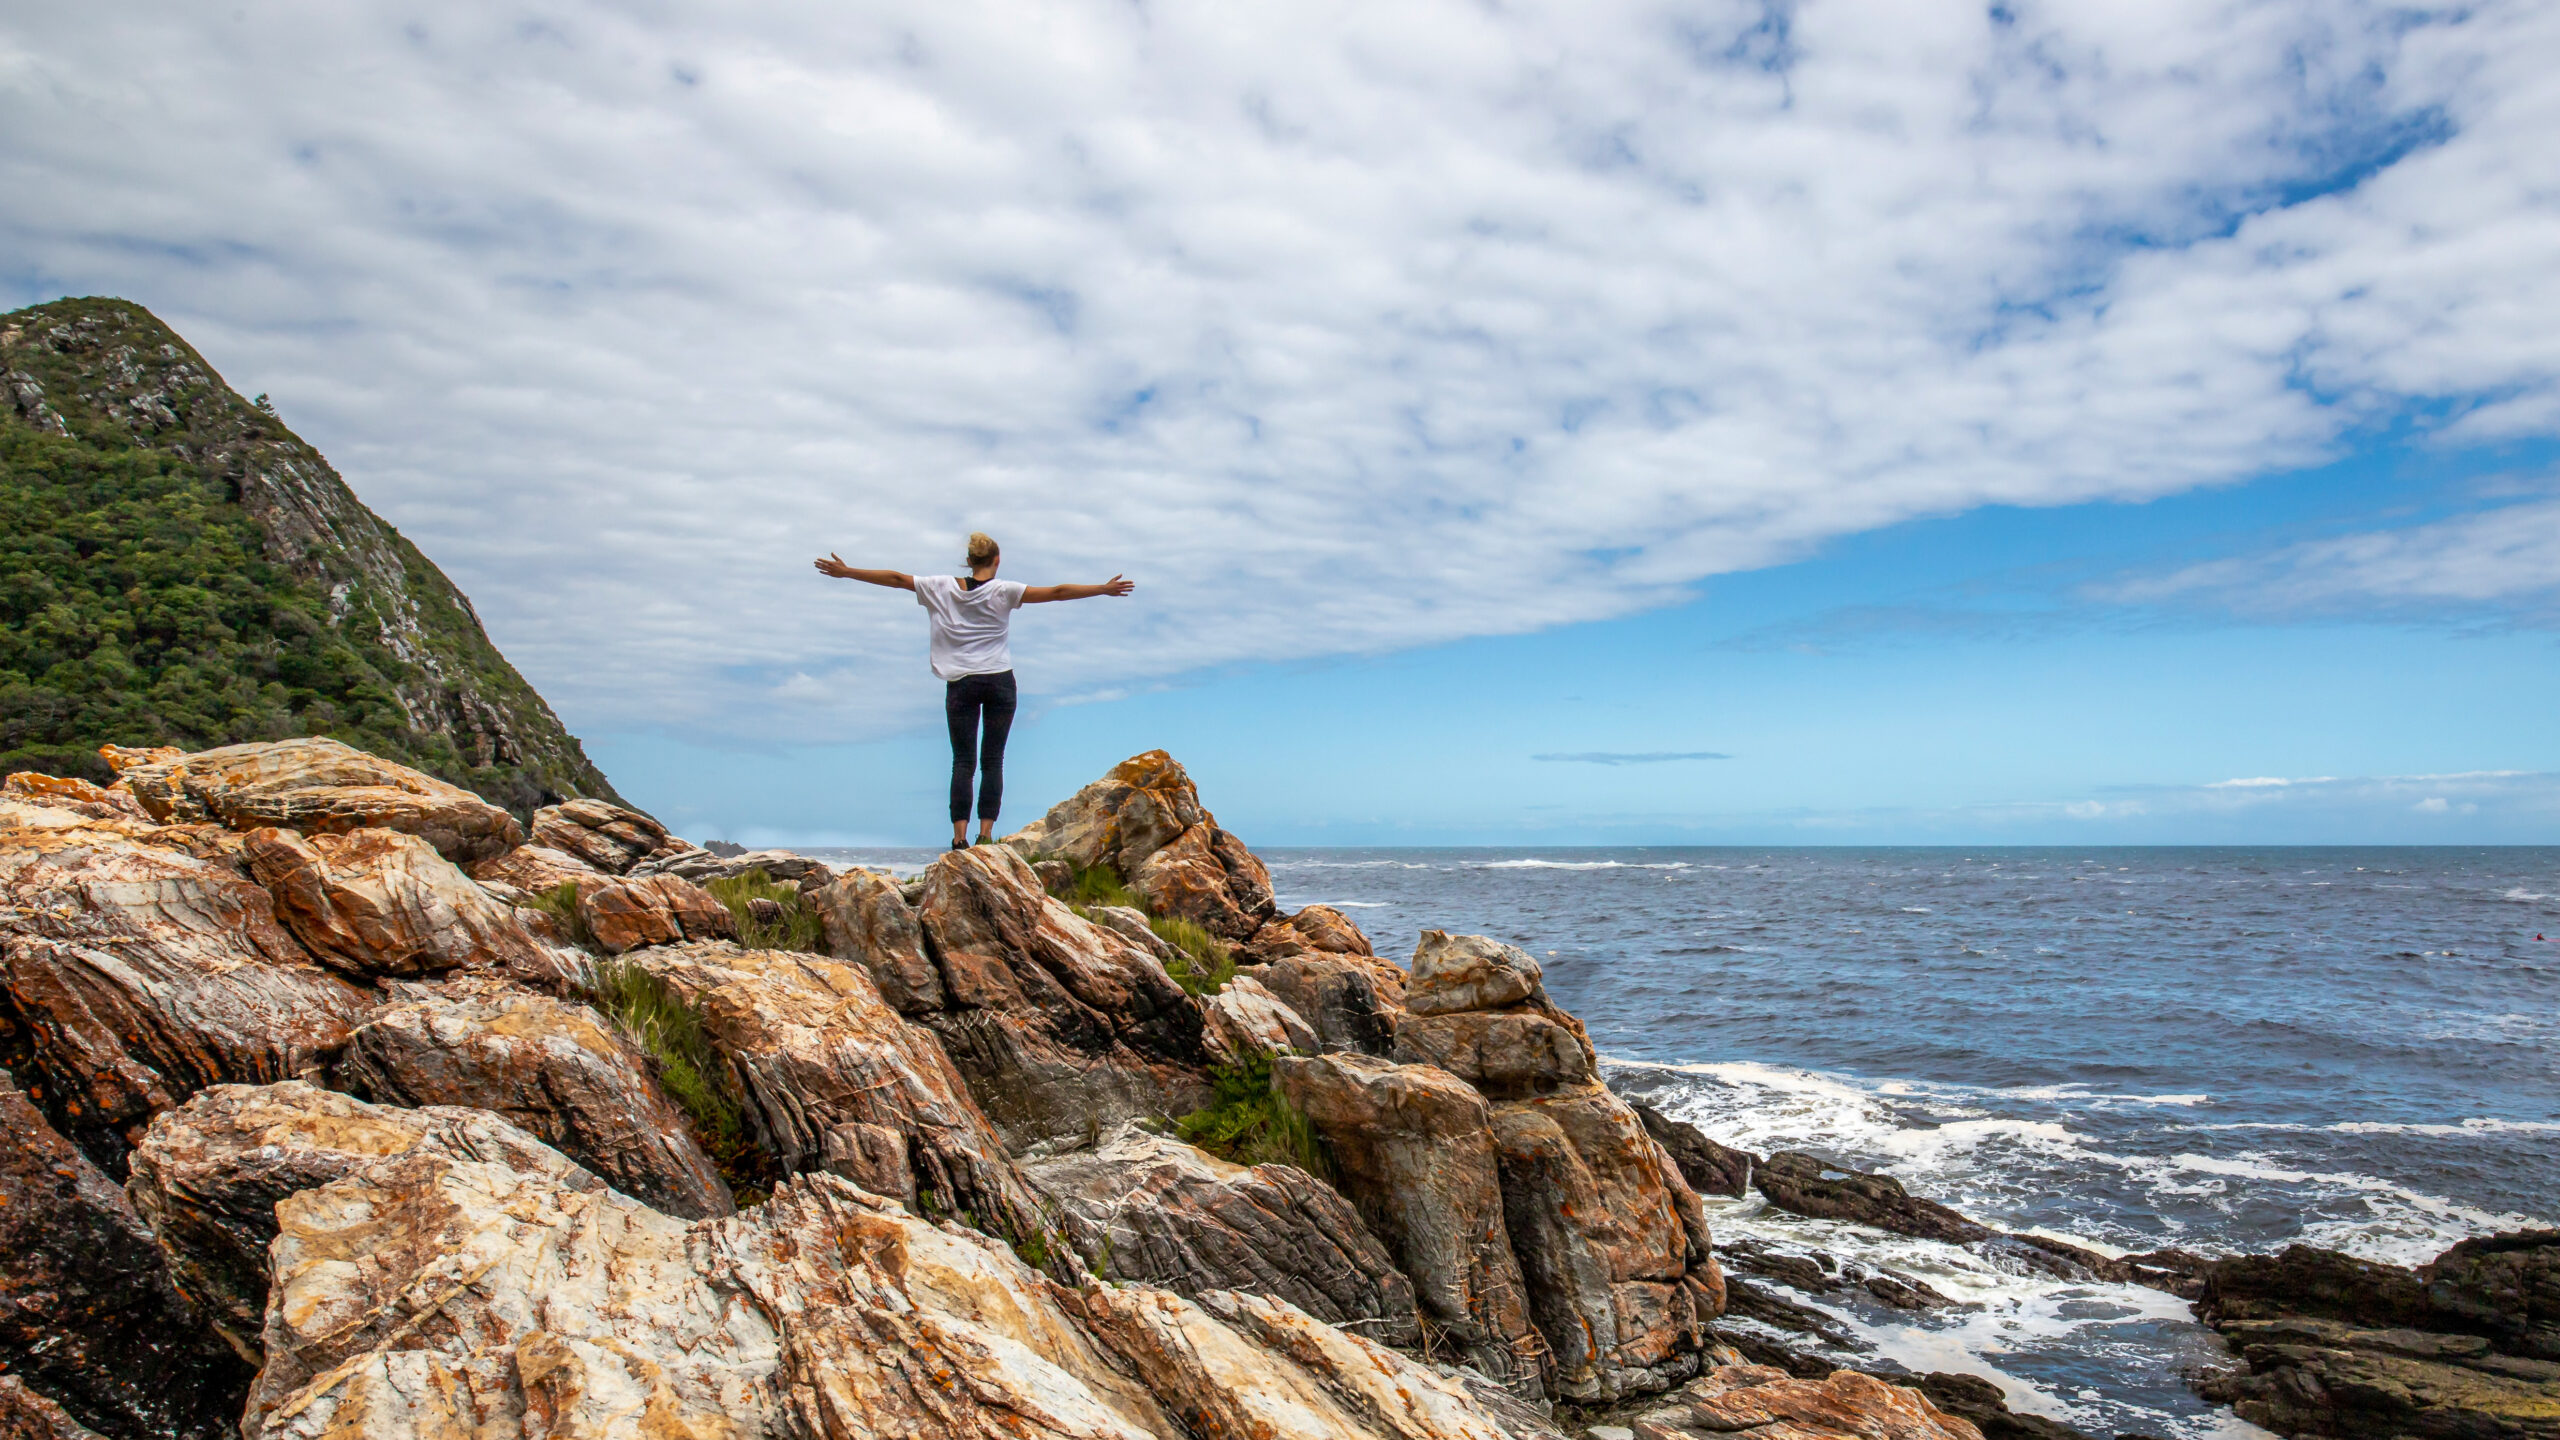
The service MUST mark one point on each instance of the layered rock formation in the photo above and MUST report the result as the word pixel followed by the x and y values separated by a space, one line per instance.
pixel 1145 820
pixel 1066 1029
pixel 979 1224
pixel 133 973
pixel 88 1315
pixel 208 1175
pixel 558 1071
pixel 2467 1345
pixel 1143 1207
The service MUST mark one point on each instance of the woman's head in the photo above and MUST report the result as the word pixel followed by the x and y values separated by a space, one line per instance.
pixel 982 550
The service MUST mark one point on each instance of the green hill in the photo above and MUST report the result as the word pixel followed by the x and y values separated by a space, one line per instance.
pixel 177 568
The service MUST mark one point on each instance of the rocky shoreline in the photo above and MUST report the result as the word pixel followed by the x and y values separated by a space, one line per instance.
pixel 352 1105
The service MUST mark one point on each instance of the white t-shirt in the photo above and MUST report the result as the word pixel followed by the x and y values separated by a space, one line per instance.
pixel 969 625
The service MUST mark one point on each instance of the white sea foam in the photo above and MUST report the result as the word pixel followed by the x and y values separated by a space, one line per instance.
pixel 2522 896
pixel 1574 865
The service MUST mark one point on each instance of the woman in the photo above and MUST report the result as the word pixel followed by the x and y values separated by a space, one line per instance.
pixel 969 618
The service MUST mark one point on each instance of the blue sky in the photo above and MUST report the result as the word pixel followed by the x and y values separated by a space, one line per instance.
pixel 2032 422
pixel 1941 682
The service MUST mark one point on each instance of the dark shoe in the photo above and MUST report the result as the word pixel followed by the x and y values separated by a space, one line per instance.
pixel 986 840
pixel 957 845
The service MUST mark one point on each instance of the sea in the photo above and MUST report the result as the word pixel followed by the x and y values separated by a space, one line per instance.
pixel 2220 1049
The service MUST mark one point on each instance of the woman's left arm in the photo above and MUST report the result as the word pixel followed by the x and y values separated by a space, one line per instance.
pixel 1113 586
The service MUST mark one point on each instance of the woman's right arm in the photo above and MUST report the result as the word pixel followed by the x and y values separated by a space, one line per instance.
pixel 834 565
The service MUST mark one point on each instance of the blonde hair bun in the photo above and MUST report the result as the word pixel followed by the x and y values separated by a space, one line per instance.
pixel 982 548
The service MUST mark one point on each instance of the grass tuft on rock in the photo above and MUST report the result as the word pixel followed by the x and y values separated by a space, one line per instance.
pixel 1204 963
pixel 1248 1121
pixel 1102 885
pixel 560 902
pixel 669 1029
pixel 770 914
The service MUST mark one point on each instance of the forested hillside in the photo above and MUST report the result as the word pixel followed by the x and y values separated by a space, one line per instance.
pixel 178 568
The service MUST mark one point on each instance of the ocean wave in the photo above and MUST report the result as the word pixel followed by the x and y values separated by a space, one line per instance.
pixel 1354 904
pixel 1347 865
pixel 1575 865
pixel 2522 896
pixel 2478 1125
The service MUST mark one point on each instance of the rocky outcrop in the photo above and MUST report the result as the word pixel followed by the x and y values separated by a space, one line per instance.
pixel 27 1415
pixel 1613 1248
pixel 495 1303
pixel 1146 1208
pixel 554 1069
pixel 1808 1185
pixel 1146 821
pixel 1064 1029
pixel 1415 1150
pixel 1710 1168
pixel 2466 1347
pixel 867 920
pixel 704 866
pixel 322 787
pixel 1770 1404
pixel 1246 1019
pixel 1478 1009
pixel 133 974
pixel 1317 930
pixel 377 903
pixel 530 870
pixel 836 1080
pixel 1353 1003
pixel 1244 1365
pixel 2306 1377
pixel 612 838
pixel 208 1175
pixel 89 801
pixel 652 910
pixel 87 1313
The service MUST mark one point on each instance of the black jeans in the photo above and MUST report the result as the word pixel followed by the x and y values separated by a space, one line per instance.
pixel 970 701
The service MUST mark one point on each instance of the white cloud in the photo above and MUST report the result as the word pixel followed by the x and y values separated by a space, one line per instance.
pixel 2504 557
pixel 1340 328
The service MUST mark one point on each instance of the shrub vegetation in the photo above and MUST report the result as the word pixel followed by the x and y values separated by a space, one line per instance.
pixel 783 922
pixel 1250 1122
pixel 669 1029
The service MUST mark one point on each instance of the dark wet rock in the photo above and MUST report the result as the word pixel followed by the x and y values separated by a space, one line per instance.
pixel 2309 1377
pixel 1710 1168
pixel 1758 1302
pixel 1807 1185
pixel 1971 1397
pixel 2506 1287
pixel 2306 1280
pixel 2464 1347
pixel 88 1316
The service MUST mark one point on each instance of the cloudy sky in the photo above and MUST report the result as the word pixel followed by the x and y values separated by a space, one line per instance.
pixel 1593 422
